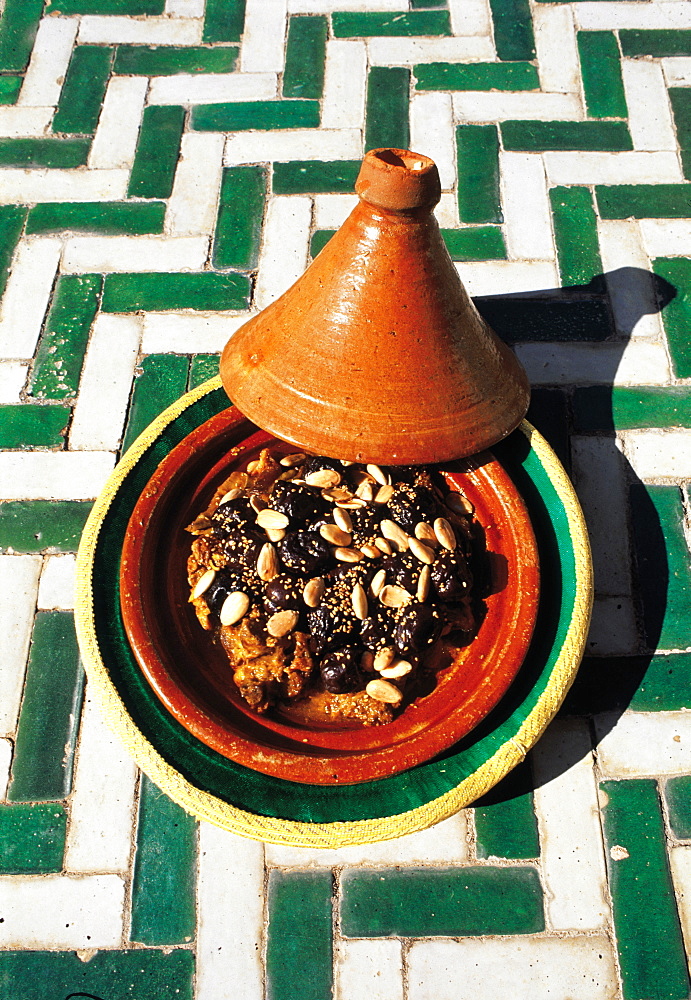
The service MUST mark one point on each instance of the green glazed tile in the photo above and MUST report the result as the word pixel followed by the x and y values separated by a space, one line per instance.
pixel 575 235
pixel 548 412
pixel 160 291
pixel 139 974
pixel 422 4
pixel 11 224
pixel 319 240
pixel 60 354
pixel 451 902
pixel 38 525
pixel 315 176
pixel 387 108
pixel 476 76
pixel 41 152
pixel 600 407
pixel 678 796
pixel 167 60
pixel 202 368
pixel 224 20
pixel 109 218
pixel 681 109
pixel 505 822
pixel 299 941
pixel 535 136
pixel 533 319
pixel 84 89
pixel 348 24
pixel 475 243
pixel 156 156
pixel 9 88
pixel 303 75
pixel 601 72
pixel 240 217
pixel 18 27
pixel 644 201
pixel 643 683
pixel 132 7
pixel 27 425
pixel 677 314
pixel 646 923
pixel 655 42
pixel 664 564
pixel 163 884
pixel 513 29
pixel 163 379
pixel 32 838
pixel 477 149
pixel 49 718
pixel 254 115
pixel 686 163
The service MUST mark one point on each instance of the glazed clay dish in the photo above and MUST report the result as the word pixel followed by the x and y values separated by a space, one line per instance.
pixel 190 672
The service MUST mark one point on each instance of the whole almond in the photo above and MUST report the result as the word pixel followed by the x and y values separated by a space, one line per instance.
pixel 342 519
pixel 459 504
pixel 423 584
pixel 337 493
pixel 267 562
pixel 359 601
pixel 381 690
pixel 347 555
pixel 234 608
pixel 313 592
pixel 203 584
pixel 275 534
pixel 371 551
pixel 445 533
pixel 420 551
pixel 288 461
pixel 425 532
pixel 365 491
pixel 268 518
pixel 355 503
pixel 384 658
pixel 230 495
pixel 282 623
pixel 252 467
pixel 384 494
pixel 378 581
pixel 324 478
pixel 384 546
pixel 367 661
pixel 399 668
pixel 394 596
pixel 394 533
pixel 378 474
pixel 335 535
pixel 257 504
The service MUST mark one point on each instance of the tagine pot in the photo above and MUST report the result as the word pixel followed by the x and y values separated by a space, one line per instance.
pixel 377 353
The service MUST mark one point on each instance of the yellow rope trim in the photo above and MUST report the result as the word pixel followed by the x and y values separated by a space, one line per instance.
pixel 206 806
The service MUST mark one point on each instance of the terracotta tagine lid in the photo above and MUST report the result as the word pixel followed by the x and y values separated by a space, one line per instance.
pixel 377 354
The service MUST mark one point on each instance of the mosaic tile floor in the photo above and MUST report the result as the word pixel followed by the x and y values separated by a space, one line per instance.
pixel 166 167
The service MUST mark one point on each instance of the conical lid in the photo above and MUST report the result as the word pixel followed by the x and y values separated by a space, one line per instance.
pixel 377 354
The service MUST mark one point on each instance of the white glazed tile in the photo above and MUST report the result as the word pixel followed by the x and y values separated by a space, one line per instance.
pixel 613 630
pixel 523 968
pixel 489 106
pixel 53 475
pixel 650 117
pixel 230 891
pixel 104 388
pixel 446 211
pixel 50 57
pixel 5 765
pixel 18 588
pixel 110 30
pixel 666 237
pixel 185 8
pixel 193 202
pixel 29 186
pixel 598 476
pixel 368 970
pixel 432 131
pixel 102 815
pixel 631 292
pixel 659 454
pixel 93 254
pixel 296 144
pixel 385 51
pixel 680 863
pixel 116 135
pixel 571 847
pixel 677 71
pixel 58 912
pixel 471 17
pixel 56 587
pixel 212 88
pixel 264 36
pixel 642 743
pixel 12 379
pixel 331 210
pixel 446 841
pixel 327 6
pixel 588 364
pixel 612 15
pixel 189 333
pixel 557 53
pixel 345 85
pixel 503 277
pixel 24 121
pixel 285 247
pixel 526 207
pixel 27 295
pixel 612 168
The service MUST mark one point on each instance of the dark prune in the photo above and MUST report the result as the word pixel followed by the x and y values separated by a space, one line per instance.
pixel 402 569
pixel 340 670
pixel 451 577
pixel 231 515
pixel 418 626
pixel 366 521
pixel 242 547
pixel 377 630
pixel 304 552
pixel 331 628
pixel 411 504
pixel 283 593
pixel 297 502
pixel 221 586
pixel 315 463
